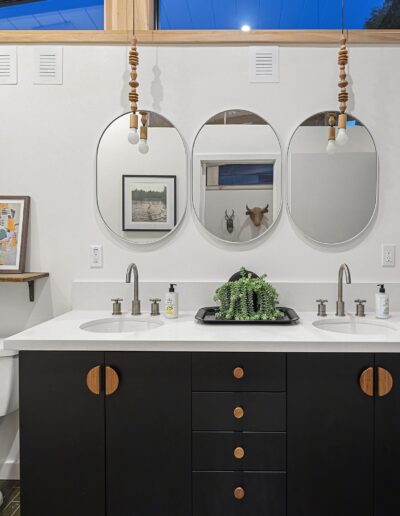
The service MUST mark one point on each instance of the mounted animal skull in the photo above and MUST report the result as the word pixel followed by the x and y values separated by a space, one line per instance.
pixel 256 214
pixel 229 220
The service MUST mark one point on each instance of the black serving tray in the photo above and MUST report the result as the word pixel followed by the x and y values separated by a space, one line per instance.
pixel 207 315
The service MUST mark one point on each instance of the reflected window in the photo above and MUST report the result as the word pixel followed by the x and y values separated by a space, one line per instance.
pixel 52 15
pixel 231 175
pixel 276 14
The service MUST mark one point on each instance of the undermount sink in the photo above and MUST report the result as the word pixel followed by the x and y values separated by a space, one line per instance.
pixel 120 325
pixel 355 327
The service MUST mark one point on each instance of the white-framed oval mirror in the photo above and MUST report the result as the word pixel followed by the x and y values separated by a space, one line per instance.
pixel 237 176
pixel 142 197
pixel 332 196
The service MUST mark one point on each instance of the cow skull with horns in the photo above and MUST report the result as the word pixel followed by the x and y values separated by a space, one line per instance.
pixel 256 214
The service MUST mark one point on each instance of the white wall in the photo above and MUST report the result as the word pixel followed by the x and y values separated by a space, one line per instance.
pixel 48 138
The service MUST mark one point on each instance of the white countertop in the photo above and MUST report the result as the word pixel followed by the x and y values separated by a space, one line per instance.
pixel 63 333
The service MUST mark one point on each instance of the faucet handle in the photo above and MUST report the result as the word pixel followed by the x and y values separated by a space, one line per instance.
pixel 321 307
pixel 360 308
pixel 155 306
pixel 117 306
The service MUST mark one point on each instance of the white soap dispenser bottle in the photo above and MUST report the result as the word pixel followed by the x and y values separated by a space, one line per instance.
pixel 382 303
pixel 171 302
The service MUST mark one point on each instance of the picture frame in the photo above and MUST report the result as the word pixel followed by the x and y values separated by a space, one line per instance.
pixel 148 202
pixel 14 223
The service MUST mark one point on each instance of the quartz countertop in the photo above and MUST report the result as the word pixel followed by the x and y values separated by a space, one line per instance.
pixel 63 333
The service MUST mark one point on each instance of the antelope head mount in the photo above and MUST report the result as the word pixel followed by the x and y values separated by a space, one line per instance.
pixel 229 220
pixel 256 214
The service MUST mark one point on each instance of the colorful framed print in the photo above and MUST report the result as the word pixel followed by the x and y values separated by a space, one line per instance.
pixel 14 220
pixel 148 203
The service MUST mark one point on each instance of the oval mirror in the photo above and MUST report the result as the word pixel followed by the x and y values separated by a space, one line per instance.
pixel 332 196
pixel 141 197
pixel 236 167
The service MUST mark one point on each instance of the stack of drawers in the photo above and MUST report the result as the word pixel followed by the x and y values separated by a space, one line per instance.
pixel 239 434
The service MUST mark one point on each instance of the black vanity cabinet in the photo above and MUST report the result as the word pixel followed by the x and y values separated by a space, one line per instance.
pixel 209 434
pixel 115 442
pixel 330 435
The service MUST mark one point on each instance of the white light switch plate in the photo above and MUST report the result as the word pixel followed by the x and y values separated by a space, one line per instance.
pixel 388 255
pixel 96 256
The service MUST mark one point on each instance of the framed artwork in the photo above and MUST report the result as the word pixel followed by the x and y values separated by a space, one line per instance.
pixel 148 203
pixel 14 219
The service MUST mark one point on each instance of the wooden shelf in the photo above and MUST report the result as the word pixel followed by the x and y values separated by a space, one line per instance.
pixel 26 277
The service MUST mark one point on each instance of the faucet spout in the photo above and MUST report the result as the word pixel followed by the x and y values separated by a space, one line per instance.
pixel 136 301
pixel 340 307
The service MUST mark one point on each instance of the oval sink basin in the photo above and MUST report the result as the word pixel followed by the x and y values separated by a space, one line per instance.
pixel 353 327
pixel 119 325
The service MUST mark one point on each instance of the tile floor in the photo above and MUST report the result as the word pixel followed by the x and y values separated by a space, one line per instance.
pixel 11 505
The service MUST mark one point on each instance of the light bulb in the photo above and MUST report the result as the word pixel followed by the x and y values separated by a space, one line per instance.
pixel 246 28
pixel 133 136
pixel 143 147
pixel 342 137
pixel 331 147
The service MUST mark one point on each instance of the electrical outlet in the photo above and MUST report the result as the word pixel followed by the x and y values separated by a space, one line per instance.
pixel 388 255
pixel 96 256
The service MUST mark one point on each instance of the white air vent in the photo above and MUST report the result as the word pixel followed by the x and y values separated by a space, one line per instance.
pixel 264 64
pixel 48 65
pixel 8 65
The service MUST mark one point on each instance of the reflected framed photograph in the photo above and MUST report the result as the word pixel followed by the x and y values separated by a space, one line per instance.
pixel 14 220
pixel 148 203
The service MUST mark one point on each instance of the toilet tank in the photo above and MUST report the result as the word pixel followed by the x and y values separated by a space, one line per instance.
pixel 9 399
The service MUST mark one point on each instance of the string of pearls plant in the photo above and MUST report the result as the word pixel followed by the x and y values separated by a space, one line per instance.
pixel 247 299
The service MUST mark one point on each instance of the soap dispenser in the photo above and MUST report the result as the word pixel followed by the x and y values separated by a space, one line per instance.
pixel 171 302
pixel 382 303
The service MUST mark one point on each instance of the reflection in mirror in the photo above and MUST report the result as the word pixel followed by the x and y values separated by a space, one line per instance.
pixel 237 176
pixel 141 197
pixel 332 197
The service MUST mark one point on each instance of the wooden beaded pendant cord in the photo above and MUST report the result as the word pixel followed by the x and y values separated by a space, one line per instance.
pixel 133 135
pixel 343 97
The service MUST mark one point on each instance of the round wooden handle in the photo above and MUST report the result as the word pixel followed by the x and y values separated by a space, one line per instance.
pixel 239 493
pixel 238 373
pixel 385 382
pixel 367 381
pixel 238 453
pixel 112 381
pixel 93 380
pixel 238 412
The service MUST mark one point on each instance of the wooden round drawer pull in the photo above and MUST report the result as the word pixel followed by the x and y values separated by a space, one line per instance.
pixel 239 493
pixel 238 412
pixel 238 373
pixel 238 453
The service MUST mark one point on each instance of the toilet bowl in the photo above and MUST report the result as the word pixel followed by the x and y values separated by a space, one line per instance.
pixel 8 381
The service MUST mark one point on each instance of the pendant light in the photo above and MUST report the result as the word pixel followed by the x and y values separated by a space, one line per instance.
pixel 343 59
pixel 134 137
pixel 331 147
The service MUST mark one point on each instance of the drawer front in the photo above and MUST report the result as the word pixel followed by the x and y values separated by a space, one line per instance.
pixel 239 411
pixel 261 494
pixel 238 451
pixel 239 372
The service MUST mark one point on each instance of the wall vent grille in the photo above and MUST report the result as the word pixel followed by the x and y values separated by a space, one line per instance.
pixel 264 64
pixel 48 65
pixel 8 65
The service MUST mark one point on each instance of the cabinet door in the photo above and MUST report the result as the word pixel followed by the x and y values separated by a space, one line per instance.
pixel 387 432
pixel 330 436
pixel 148 434
pixel 62 435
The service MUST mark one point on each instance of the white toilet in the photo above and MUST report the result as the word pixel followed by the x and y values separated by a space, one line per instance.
pixel 8 381
pixel 9 399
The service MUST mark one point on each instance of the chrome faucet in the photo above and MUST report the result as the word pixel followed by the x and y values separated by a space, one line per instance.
pixel 136 301
pixel 340 303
